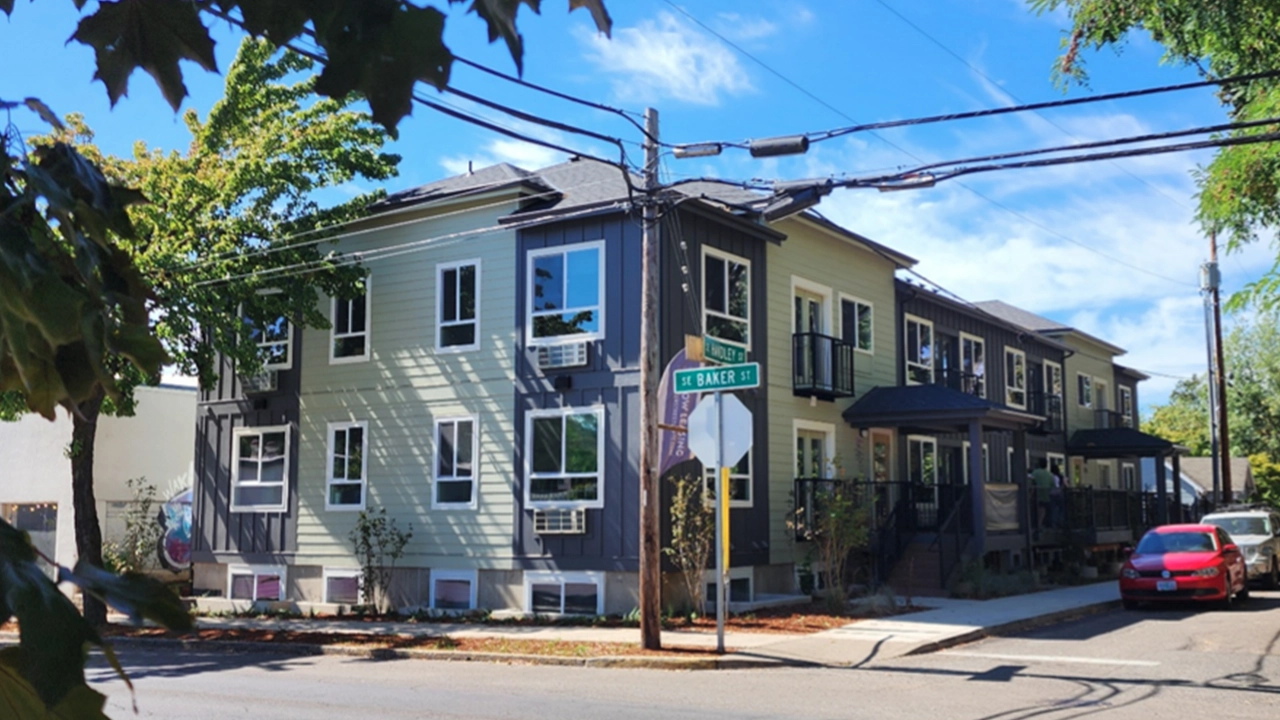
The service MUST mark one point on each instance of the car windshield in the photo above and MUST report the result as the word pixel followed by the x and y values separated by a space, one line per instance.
pixel 1242 525
pixel 1173 542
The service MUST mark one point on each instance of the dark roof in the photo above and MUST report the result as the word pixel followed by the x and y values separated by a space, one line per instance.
pixel 1039 323
pixel 974 310
pixel 1131 372
pixel 1200 469
pixel 487 179
pixel 928 405
pixel 1117 442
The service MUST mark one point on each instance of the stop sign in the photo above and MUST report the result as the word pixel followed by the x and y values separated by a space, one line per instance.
pixel 704 428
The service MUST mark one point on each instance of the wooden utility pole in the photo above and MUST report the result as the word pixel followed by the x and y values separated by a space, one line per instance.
pixel 1224 442
pixel 650 549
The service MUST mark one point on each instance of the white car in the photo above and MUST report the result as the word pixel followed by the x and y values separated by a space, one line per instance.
pixel 1256 530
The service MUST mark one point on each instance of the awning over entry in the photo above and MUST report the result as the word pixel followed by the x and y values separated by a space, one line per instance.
pixel 1119 442
pixel 933 407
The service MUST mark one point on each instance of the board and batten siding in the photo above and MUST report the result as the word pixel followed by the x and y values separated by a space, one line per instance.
pixel 820 257
pixel 404 388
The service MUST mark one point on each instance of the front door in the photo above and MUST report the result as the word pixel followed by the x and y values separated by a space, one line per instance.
pixel 922 473
pixel 811 454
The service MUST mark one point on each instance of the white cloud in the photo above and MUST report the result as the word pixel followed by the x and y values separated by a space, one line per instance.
pixel 666 59
pixel 521 154
pixel 741 28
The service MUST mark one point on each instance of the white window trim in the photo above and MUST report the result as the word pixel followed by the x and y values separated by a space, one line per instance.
pixel 709 474
pixel 906 344
pixel 1048 377
pixel 1106 390
pixel 1126 393
pixel 441 268
pixel 751 290
pixel 1079 395
pixel 287 364
pixel 368 329
pixel 799 284
pixel 986 462
pixel 330 572
pixel 986 359
pixel 330 480
pixel 473 503
pixel 845 297
pixel 539 577
pixel 742 572
pixel 235 468
pixel 1009 387
pixel 532 341
pixel 932 440
pixel 798 424
pixel 1133 471
pixel 470 576
pixel 528 458
pixel 255 571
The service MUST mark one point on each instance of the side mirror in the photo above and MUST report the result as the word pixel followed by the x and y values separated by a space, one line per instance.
pixel 1230 547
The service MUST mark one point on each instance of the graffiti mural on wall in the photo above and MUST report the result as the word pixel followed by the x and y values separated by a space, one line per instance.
pixel 174 547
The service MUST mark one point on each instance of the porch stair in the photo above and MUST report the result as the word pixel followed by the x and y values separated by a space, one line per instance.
pixel 917 572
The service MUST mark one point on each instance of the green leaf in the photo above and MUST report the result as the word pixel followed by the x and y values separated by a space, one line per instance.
pixel 18 699
pixel 84 703
pixel 134 594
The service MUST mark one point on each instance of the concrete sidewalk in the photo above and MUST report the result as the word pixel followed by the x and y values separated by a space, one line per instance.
pixel 946 623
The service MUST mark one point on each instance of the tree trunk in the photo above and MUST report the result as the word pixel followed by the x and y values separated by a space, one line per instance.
pixel 84 431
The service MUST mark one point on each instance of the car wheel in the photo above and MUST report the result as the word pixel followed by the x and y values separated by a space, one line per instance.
pixel 1227 600
pixel 1129 604
pixel 1273 579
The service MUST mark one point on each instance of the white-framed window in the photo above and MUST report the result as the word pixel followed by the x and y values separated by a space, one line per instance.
pixel 973 363
pixel 741 586
pixel 1008 464
pixel 274 337
pixel 457 446
pixel 811 306
pixel 1101 394
pixel 739 483
pixel 453 589
pixel 1053 383
pixel 726 296
pixel 1015 378
pixel 986 462
pixel 1126 405
pixel 1084 390
pixel 857 323
pixel 349 336
pixel 566 293
pixel 342 586
pixel 458 305
pixel 919 350
pixel 815 444
pixel 1104 474
pixel 564 593
pixel 256 582
pixel 565 453
pixel 1128 476
pixel 260 469
pixel 922 459
pixel 348 465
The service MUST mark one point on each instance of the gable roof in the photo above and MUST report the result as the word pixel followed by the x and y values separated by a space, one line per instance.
pixel 975 310
pixel 487 179
pixel 1200 469
pixel 1040 323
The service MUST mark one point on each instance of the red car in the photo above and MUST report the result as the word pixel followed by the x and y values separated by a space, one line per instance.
pixel 1184 562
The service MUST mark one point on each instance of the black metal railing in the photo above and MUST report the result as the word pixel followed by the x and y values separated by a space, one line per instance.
pixel 954 532
pixel 964 382
pixel 1049 407
pixel 1086 508
pixel 1110 419
pixel 821 366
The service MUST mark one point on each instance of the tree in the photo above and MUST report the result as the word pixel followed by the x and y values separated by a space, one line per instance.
pixel 1220 38
pixel 1184 420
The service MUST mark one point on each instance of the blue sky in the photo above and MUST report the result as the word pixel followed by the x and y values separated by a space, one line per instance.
pixel 1108 247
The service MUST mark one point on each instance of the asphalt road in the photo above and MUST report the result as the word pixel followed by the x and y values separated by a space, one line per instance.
pixel 1176 662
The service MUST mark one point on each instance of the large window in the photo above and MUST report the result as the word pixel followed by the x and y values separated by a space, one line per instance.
pixel 349 337
pixel 565 293
pixel 739 482
pixel 919 355
pixel 274 338
pixel 565 450
pixel 1128 476
pixel 255 582
pixel 457 305
pixel 973 363
pixel 1126 405
pixel 455 479
pixel 857 324
pixel 1052 379
pixel 922 460
pixel 726 297
pixel 1015 378
pixel 569 593
pixel 348 465
pixel 1084 390
pixel 260 469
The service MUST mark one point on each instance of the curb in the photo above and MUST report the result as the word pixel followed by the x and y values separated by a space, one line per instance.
pixel 1013 627
pixel 727 662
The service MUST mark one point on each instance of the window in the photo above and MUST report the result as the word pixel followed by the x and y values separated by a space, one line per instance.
pixel 739 483
pixel 1084 390
pixel 1128 476
pixel 1126 405
pixel 455 477
pixel 1057 465
pixel 857 324
pixel 1052 379
pixel 726 291
pixel 973 363
pixel 564 293
pixel 457 309
pixel 257 582
pixel 551 593
pixel 274 338
pixel 349 337
pixel 342 586
pixel 740 588
pixel 964 462
pixel 922 460
pixel 453 589
pixel 919 351
pixel 1015 378
pixel 348 465
pixel 260 469
pixel 1101 394
pixel 1104 474
pixel 815 449
pixel 564 450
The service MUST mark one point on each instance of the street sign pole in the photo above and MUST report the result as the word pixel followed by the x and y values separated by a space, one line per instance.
pixel 722 528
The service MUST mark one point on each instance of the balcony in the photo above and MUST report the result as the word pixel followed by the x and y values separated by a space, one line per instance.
pixel 964 382
pixel 1110 419
pixel 821 366
pixel 1050 407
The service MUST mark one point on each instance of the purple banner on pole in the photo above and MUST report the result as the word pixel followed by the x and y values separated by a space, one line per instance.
pixel 674 410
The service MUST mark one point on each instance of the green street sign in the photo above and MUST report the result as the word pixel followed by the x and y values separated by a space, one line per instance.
pixel 725 377
pixel 722 352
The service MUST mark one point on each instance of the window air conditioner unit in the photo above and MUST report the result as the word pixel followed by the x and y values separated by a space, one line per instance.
pixel 562 356
pixel 560 522
pixel 260 383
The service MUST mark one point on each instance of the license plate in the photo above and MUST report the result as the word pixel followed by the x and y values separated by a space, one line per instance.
pixel 1166 585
